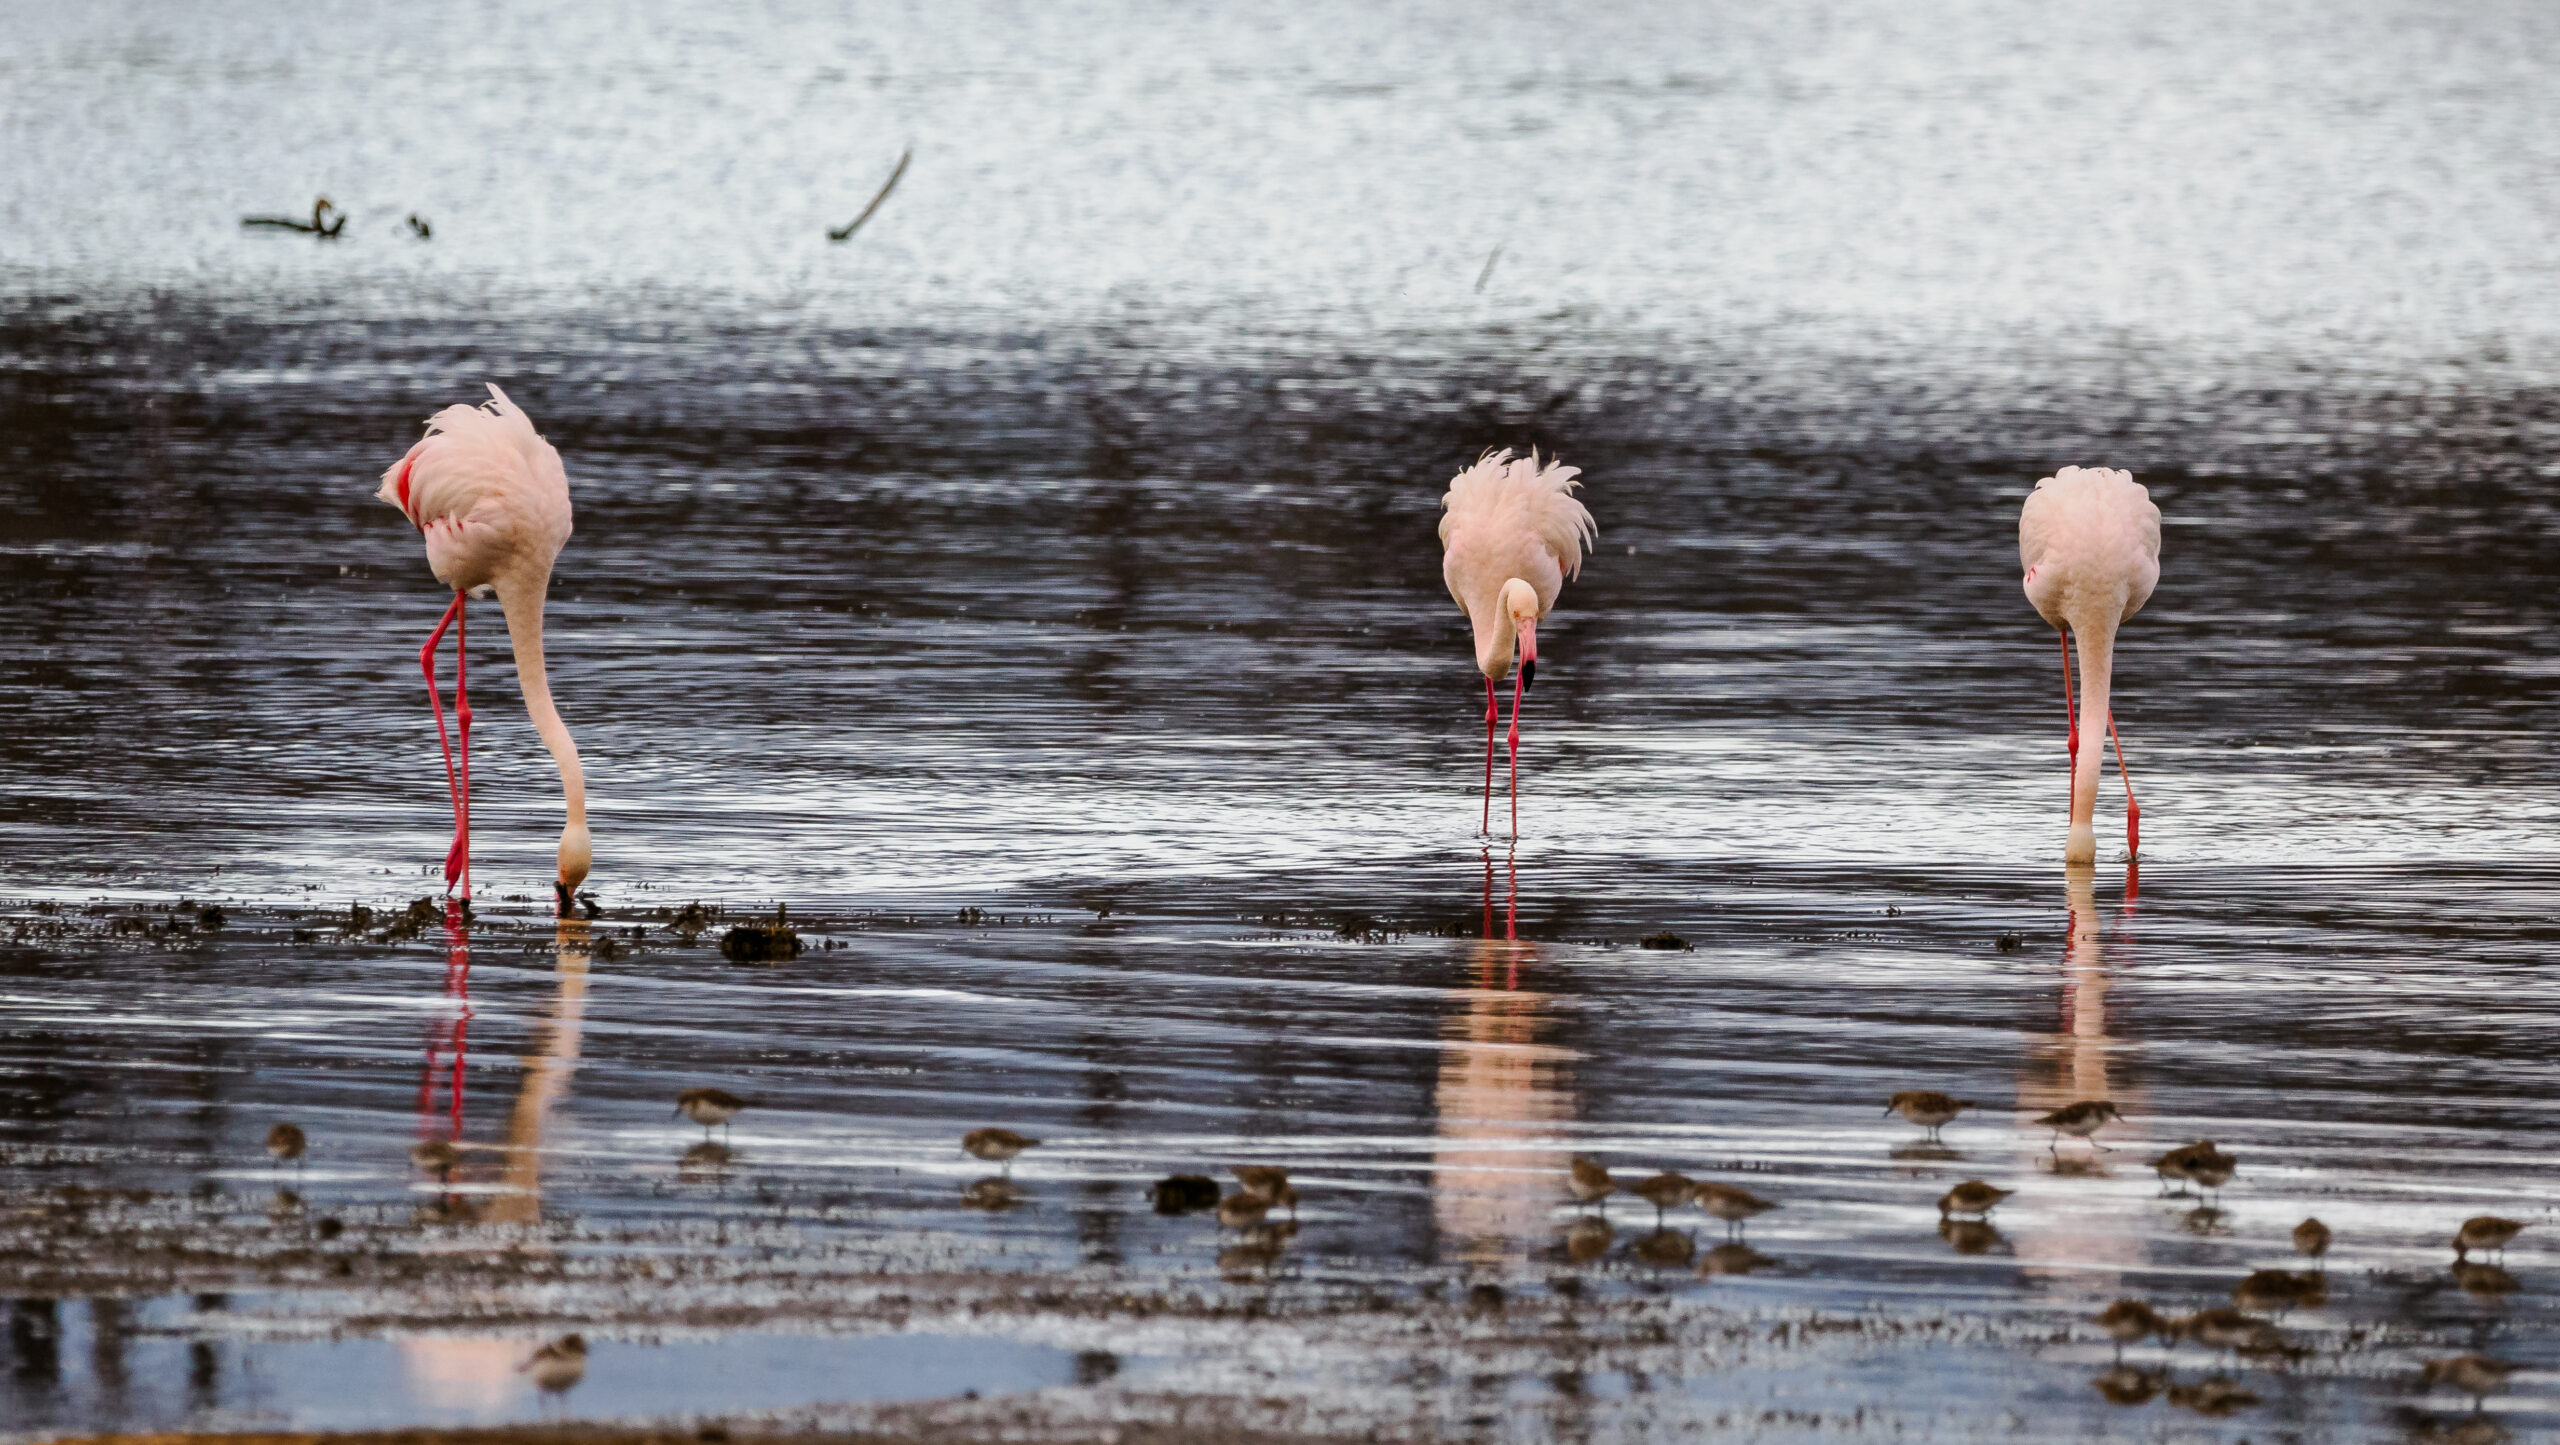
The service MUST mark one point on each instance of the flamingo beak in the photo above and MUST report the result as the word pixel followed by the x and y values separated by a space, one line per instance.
pixel 1528 653
pixel 560 891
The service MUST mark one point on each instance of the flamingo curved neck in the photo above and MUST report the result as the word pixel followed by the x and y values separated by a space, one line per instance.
pixel 2096 644
pixel 522 601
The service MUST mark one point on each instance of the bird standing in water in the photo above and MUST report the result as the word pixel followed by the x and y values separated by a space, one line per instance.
pixel 492 501
pixel 1512 532
pixel 2089 539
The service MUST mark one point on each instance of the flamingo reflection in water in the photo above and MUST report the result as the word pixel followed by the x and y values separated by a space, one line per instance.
pixel 1501 1100
pixel 448 1041
pixel 2085 1242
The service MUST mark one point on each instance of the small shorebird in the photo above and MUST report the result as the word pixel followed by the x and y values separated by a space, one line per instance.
pixel 2475 1375
pixel 1511 533
pixel 285 1143
pixel 1731 1205
pixel 1270 1183
pixel 1927 1108
pixel 2089 539
pixel 2228 1329
pixel 2484 1232
pixel 996 1146
pixel 2311 1237
pixel 2172 1166
pixel 2129 1320
pixel 2212 1169
pixel 435 1156
pixel 711 1108
pixel 1665 1191
pixel 559 1365
pixel 1590 1182
pixel 2082 1120
pixel 1972 1197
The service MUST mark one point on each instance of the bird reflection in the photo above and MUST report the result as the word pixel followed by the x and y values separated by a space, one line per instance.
pixel 1588 1238
pixel 995 1193
pixel 2214 1395
pixel 2485 1280
pixel 448 1037
pixel 2082 1239
pixel 2125 1385
pixel 709 1159
pixel 1501 1100
pixel 1256 1250
pixel 1670 1248
pixel 545 1078
pixel 1970 1236
pixel 1734 1258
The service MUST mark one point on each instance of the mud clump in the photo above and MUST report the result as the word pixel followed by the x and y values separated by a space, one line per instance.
pixel 1667 940
pixel 1183 1193
pixel 773 942
pixel 412 921
pixel 2008 943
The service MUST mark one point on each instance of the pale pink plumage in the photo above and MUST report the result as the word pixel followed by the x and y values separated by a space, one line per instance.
pixel 1511 533
pixel 2089 539
pixel 491 499
pixel 1509 517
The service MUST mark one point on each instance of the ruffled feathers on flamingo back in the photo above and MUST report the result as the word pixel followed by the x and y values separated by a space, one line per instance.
pixel 1508 517
pixel 487 493
pixel 2089 541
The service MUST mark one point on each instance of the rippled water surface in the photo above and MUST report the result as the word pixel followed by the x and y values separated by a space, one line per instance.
pixel 1037 598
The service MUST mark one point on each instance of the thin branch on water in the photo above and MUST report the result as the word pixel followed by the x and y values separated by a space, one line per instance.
pixel 319 225
pixel 886 187
pixel 1487 273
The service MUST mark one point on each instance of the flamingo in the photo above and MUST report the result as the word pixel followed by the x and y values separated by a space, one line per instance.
pixel 1512 533
pixel 490 497
pixel 2089 538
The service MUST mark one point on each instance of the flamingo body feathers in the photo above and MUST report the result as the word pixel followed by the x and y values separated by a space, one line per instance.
pixel 1510 517
pixel 487 492
pixel 2089 539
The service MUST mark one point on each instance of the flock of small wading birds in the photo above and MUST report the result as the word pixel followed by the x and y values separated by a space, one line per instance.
pixel 490 498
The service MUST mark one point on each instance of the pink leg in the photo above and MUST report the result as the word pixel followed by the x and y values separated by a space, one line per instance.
pixel 435 699
pixel 1492 713
pixel 462 741
pixel 2132 809
pixel 1515 755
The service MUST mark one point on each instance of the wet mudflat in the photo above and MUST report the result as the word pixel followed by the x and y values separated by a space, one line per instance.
pixel 1034 607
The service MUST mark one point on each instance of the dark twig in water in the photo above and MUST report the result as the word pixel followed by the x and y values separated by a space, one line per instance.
pixel 1487 273
pixel 319 225
pixel 885 188
pixel 419 228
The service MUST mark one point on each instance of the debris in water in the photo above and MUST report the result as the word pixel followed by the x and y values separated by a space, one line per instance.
pixel 1183 1193
pixel 319 225
pixel 761 942
pixel 2008 943
pixel 886 187
pixel 1666 939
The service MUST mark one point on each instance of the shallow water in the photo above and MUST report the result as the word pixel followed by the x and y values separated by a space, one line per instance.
pixel 1040 601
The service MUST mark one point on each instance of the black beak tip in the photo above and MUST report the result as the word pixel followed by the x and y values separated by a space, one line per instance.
pixel 1529 674
pixel 560 892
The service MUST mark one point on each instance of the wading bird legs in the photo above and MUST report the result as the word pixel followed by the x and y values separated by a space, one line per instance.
pixel 1492 713
pixel 457 860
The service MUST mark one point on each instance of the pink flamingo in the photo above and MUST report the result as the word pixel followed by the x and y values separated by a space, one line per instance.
pixel 490 497
pixel 1512 533
pixel 2089 538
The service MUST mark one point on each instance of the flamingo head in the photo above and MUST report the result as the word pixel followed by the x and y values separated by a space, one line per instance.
pixel 1520 600
pixel 577 852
